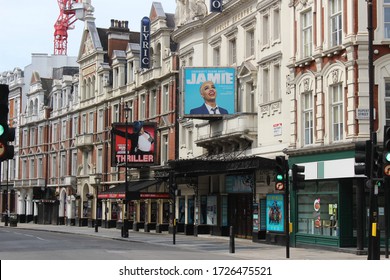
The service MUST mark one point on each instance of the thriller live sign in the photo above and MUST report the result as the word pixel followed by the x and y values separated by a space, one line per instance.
pixel 135 141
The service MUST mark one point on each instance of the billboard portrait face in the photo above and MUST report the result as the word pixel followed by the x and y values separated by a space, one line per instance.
pixel 209 91
pixel 140 143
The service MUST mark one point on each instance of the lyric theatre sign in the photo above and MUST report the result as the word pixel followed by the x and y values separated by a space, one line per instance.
pixel 145 43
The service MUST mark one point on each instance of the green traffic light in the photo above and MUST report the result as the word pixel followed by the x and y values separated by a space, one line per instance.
pixel 387 157
pixel 279 177
pixel 1 130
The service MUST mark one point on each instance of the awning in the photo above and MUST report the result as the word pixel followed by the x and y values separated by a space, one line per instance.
pixel 204 166
pixel 134 187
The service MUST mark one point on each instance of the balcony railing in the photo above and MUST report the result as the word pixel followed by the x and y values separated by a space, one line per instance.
pixel 84 140
pixel 68 181
pixel 245 124
pixel 40 182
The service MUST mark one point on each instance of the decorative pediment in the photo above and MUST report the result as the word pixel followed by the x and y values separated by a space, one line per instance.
pixel 246 69
pixel 88 45
pixel 35 78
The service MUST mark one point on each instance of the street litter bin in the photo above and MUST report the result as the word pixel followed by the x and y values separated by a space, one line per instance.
pixel 13 220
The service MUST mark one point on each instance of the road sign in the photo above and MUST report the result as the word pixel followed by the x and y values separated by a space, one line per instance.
pixel 386 170
pixel 2 149
pixel 279 186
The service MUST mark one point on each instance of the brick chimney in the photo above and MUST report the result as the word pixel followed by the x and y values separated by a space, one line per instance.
pixel 118 36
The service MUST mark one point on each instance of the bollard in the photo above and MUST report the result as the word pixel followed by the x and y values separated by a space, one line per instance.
pixel 231 243
pixel 125 230
pixel 6 220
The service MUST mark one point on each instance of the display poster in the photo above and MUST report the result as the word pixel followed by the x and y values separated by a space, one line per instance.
pixel 275 211
pixel 263 214
pixel 212 210
pixel 141 140
pixel 209 92
pixel 255 217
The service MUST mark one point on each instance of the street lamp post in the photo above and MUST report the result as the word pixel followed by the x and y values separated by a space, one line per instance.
pixel 98 180
pixel 125 225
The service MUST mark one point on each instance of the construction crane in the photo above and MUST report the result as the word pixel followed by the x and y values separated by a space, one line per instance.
pixel 70 11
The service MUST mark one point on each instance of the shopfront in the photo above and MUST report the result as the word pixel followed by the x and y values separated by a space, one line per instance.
pixel 328 208
pixel 217 195
pixel 147 206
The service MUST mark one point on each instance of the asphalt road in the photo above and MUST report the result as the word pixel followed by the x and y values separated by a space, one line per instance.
pixel 17 244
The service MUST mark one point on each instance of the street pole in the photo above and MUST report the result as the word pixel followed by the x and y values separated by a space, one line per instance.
pixel 98 179
pixel 172 191
pixel 373 242
pixel 286 209
pixel 387 201
pixel 6 200
pixel 125 225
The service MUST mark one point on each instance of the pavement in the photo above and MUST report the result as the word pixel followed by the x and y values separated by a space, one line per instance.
pixel 243 248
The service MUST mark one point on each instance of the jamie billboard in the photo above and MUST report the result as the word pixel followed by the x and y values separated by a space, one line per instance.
pixel 141 141
pixel 209 92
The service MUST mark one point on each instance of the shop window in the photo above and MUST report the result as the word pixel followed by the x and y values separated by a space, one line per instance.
pixel 153 214
pixel 181 211
pixel 165 212
pixel 132 211
pixel 85 209
pixel 212 210
pixel 114 211
pixel 190 211
pixel 318 208
pixel 142 211
pixel 203 209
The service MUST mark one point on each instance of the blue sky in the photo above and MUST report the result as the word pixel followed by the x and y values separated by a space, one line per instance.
pixel 27 26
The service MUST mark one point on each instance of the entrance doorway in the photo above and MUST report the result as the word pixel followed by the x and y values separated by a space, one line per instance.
pixel 240 214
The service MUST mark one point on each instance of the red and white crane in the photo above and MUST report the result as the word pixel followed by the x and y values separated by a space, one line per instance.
pixel 70 11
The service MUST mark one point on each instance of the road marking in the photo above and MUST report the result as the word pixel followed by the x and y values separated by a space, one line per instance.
pixel 39 238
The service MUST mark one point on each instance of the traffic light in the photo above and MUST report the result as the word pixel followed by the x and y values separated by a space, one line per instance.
pixel 280 173
pixel 386 152
pixel 363 157
pixel 297 176
pixel 7 134
pixel 377 167
pixel 172 185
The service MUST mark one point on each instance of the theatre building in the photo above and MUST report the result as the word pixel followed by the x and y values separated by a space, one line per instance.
pixel 225 169
pixel 218 97
pixel 115 89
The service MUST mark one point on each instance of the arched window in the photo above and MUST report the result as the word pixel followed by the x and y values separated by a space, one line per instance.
pixel 152 57
pixel 306 110
pixel 31 108
pixel 93 80
pixel 36 107
pixel 157 56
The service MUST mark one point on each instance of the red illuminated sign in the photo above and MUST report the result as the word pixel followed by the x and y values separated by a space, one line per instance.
pixel 140 147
